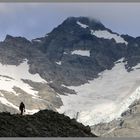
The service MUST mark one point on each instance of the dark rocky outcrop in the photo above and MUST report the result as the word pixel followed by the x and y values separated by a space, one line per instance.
pixel 45 123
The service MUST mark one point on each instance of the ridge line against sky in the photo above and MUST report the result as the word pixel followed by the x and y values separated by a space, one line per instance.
pixel 32 20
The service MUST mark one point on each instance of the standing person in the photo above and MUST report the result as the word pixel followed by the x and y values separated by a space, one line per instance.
pixel 22 108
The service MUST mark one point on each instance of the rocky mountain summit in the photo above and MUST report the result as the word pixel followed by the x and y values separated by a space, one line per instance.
pixel 45 123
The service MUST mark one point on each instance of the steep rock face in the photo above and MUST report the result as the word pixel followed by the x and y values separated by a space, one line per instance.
pixel 70 36
pixel 45 123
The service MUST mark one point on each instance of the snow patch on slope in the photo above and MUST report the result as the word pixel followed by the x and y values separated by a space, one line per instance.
pixel 37 40
pixel 15 74
pixel 65 53
pixel 107 35
pixel 12 76
pixel 82 25
pixel 81 52
pixel 136 67
pixel 105 98
pixel 58 63
pixel 7 103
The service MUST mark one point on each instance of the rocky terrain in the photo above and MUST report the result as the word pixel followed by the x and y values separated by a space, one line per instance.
pixel 126 126
pixel 45 123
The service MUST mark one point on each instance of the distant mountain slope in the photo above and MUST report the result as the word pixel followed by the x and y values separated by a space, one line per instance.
pixel 45 123
pixel 127 126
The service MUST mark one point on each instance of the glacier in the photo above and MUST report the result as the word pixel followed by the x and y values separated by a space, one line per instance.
pixel 12 76
pixel 104 98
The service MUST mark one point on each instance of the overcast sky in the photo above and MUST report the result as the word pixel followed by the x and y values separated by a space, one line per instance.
pixel 32 20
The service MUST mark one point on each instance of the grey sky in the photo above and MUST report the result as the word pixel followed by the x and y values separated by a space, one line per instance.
pixel 33 20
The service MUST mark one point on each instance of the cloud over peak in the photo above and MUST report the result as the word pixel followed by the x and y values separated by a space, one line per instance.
pixel 33 20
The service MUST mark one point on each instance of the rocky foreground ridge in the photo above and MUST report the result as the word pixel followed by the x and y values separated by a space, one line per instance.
pixel 45 123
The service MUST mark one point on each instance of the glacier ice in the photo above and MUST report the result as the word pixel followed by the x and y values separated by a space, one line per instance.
pixel 104 98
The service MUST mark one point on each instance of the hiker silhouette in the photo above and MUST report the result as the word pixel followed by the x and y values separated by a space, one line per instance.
pixel 22 108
